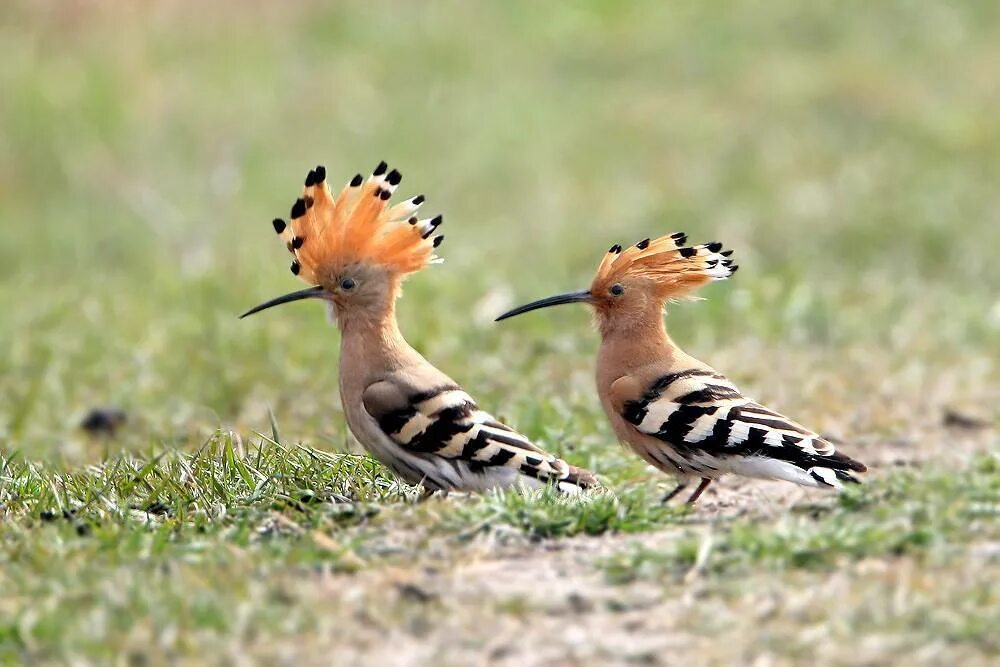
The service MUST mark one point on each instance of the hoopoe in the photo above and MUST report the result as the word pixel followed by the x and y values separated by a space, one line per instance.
pixel 354 251
pixel 677 413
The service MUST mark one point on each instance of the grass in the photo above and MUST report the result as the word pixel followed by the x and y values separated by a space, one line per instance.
pixel 848 152
pixel 926 515
pixel 263 522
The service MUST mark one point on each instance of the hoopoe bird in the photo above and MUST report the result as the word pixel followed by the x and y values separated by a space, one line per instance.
pixel 354 251
pixel 677 413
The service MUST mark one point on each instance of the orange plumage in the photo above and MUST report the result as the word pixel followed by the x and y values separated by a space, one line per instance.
pixel 358 226
pixel 671 270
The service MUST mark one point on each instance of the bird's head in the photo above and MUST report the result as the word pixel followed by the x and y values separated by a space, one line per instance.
pixel 632 284
pixel 355 250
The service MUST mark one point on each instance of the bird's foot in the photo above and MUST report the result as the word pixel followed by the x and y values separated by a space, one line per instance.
pixel 705 481
pixel 670 494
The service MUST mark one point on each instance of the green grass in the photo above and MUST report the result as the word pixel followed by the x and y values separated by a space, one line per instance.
pixel 848 152
pixel 260 523
pixel 932 516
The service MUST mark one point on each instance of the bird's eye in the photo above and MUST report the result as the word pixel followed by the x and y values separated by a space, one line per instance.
pixel 616 290
pixel 347 284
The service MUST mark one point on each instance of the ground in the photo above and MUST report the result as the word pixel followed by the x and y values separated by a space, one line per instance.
pixel 848 153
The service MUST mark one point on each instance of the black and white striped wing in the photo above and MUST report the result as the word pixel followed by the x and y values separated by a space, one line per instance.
pixel 705 419
pixel 445 422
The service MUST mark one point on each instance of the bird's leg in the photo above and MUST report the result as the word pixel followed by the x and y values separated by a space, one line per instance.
pixel 428 492
pixel 670 494
pixel 705 481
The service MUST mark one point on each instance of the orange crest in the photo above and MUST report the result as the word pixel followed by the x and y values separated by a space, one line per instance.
pixel 357 227
pixel 672 269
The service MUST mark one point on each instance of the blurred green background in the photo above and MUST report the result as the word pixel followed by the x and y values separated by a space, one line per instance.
pixel 848 151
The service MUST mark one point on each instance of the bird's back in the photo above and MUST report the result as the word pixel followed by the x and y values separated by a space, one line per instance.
pixel 688 419
pixel 429 431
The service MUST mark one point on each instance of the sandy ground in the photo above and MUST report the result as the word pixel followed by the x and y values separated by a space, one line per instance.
pixel 503 600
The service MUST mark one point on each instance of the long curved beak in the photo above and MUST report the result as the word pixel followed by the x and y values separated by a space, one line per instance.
pixel 583 296
pixel 307 293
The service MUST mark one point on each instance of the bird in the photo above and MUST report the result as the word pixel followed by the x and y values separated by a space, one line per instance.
pixel 354 250
pixel 678 413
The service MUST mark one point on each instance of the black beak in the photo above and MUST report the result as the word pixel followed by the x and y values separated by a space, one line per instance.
pixel 582 296
pixel 307 293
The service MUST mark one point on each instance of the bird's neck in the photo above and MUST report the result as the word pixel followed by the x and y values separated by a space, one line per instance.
pixel 640 342
pixel 372 345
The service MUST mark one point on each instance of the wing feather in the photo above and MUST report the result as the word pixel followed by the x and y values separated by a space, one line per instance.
pixel 698 412
pixel 445 422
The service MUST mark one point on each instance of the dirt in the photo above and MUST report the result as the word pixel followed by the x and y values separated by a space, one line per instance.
pixel 502 599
